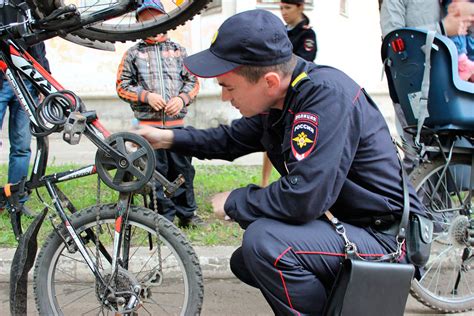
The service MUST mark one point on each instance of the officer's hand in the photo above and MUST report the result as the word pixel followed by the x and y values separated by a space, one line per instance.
pixel 218 202
pixel 174 106
pixel 158 138
pixel 156 101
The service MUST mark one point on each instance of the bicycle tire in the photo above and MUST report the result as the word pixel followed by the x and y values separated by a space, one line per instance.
pixel 108 32
pixel 435 288
pixel 53 280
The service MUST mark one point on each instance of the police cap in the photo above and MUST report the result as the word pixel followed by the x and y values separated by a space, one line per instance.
pixel 253 38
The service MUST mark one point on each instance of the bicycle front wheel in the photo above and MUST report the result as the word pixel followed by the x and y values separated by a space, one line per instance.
pixel 165 266
pixel 446 283
pixel 125 27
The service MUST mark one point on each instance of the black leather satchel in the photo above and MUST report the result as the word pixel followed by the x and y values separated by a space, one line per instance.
pixel 420 236
pixel 368 288
pixel 373 288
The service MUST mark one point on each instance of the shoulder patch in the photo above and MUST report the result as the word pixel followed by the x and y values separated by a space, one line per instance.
pixel 307 27
pixel 304 134
pixel 309 44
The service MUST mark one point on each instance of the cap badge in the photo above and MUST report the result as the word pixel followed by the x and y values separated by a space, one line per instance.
pixel 214 37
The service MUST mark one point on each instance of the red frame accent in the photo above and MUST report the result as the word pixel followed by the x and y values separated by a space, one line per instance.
pixel 118 224
pixel 51 80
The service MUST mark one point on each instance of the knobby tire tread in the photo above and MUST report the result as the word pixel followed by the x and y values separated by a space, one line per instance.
pixel 417 175
pixel 42 8
pixel 88 215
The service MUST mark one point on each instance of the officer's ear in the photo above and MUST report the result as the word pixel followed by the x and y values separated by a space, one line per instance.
pixel 272 82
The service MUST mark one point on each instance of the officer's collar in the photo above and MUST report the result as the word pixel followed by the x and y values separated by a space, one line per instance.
pixel 300 25
pixel 299 75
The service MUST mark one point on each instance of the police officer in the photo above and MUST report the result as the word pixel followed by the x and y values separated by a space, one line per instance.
pixel 325 137
pixel 302 36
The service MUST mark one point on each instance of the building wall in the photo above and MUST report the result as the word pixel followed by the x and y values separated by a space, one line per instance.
pixel 348 40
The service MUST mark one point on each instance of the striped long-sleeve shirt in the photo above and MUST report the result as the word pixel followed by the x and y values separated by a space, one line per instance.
pixel 155 67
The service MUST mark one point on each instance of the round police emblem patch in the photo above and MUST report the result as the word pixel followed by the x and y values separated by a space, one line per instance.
pixel 304 134
pixel 308 44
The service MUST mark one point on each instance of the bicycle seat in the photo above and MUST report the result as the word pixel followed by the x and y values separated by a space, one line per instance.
pixel 450 99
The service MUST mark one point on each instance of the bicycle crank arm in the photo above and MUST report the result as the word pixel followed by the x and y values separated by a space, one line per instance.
pixel 106 148
pixel 169 188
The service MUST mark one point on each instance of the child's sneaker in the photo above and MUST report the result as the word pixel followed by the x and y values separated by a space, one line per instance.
pixel 465 67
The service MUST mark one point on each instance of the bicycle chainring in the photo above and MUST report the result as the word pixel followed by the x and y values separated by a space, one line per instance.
pixel 133 171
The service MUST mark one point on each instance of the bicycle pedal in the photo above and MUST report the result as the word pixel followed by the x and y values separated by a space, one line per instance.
pixel 74 127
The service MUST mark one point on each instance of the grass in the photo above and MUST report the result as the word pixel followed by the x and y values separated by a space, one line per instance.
pixel 209 180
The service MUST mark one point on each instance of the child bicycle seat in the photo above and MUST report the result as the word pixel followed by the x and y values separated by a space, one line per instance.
pixel 450 100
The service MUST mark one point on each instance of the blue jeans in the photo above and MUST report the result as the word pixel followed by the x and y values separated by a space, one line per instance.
pixel 18 132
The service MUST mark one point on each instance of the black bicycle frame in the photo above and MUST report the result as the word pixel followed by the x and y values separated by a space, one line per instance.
pixel 17 64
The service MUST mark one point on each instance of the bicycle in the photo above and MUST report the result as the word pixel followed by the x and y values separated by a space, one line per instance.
pixel 135 260
pixel 422 72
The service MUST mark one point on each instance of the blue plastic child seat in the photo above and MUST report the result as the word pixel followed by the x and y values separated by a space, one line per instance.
pixel 451 99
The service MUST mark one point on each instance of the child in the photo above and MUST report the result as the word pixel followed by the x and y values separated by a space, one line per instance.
pixel 152 78
pixel 464 42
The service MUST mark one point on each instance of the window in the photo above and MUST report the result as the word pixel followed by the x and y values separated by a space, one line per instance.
pixel 343 8
pixel 214 4
pixel 310 2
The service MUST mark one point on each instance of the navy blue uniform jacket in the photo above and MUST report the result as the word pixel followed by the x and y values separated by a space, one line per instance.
pixel 330 144
pixel 303 39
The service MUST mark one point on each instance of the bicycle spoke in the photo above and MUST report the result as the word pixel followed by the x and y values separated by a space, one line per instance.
pixel 86 287
pixel 77 298
pixel 169 295
pixel 447 281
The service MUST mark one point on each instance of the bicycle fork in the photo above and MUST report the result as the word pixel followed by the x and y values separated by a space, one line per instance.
pixel 72 232
pixel 122 209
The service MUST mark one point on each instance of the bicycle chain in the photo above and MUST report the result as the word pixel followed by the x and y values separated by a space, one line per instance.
pixel 155 209
pixel 97 233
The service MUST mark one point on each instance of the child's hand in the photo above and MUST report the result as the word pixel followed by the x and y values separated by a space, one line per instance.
pixel 174 106
pixel 463 8
pixel 156 101
pixel 455 24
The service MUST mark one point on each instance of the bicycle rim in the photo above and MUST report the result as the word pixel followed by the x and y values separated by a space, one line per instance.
pixel 125 27
pixel 447 281
pixel 171 283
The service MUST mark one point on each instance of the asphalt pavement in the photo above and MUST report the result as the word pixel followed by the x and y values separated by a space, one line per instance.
pixel 222 297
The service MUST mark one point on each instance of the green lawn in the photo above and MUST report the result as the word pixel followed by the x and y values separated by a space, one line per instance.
pixel 210 179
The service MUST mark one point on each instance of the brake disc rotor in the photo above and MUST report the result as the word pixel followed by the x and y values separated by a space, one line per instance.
pixel 131 172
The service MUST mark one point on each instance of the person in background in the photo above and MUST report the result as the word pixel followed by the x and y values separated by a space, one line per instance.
pixel 464 42
pixel 328 141
pixel 19 123
pixel 153 80
pixel 300 33
pixel 427 15
pixel 303 39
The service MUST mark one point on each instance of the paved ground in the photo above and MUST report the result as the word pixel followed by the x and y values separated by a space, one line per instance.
pixel 224 297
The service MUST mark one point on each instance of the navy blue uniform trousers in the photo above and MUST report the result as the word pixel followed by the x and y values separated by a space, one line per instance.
pixel 182 203
pixel 294 266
